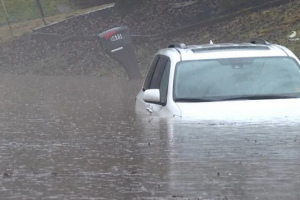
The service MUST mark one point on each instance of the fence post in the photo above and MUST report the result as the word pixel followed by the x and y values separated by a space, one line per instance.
pixel 7 18
pixel 38 2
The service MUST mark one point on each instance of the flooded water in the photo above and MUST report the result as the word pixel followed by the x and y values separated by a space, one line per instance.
pixel 79 138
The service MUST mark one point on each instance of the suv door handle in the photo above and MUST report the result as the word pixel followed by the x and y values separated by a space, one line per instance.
pixel 149 110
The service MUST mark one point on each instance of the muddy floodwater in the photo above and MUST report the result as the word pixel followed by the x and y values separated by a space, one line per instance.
pixel 78 138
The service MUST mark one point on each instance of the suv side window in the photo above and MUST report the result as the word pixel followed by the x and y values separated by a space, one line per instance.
pixel 164 84
pixel 150 73
pixel 160 78
pixel 158 72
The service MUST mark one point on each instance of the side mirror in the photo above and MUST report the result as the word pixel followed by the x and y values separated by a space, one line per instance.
pixel 152 96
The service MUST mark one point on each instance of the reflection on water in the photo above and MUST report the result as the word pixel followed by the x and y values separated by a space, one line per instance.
pixel 78 138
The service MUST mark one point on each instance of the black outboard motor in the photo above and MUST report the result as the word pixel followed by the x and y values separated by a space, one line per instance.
pixel 117 43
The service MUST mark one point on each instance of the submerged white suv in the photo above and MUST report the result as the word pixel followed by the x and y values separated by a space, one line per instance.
pixel 245 81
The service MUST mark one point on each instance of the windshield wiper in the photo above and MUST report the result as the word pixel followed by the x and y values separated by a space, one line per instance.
pixel 260 97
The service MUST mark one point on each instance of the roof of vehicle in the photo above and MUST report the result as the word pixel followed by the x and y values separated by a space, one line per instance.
pixel 254 48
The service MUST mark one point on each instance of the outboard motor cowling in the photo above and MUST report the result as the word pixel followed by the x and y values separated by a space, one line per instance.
pixel 117 43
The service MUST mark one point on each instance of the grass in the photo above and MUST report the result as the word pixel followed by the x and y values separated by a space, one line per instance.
pixel 21 28
pixel 24 10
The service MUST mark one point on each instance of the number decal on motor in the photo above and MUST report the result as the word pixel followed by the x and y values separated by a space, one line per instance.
pixel 116 37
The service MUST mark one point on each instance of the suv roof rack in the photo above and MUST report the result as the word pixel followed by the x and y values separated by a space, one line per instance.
pixel 177 45
pixel 230 47
pixel 258 41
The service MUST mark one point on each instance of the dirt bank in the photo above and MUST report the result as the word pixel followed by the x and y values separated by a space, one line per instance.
pixel 26 56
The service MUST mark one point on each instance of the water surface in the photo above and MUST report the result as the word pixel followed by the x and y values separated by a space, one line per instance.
pixel 79 138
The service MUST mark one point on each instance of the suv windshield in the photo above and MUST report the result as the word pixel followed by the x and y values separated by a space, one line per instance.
pixel 237 78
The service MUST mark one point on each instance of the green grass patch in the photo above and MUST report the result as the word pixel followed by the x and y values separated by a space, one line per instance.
pixel 24 10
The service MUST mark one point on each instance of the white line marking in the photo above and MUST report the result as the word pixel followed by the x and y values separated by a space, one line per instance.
pixel 118 49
